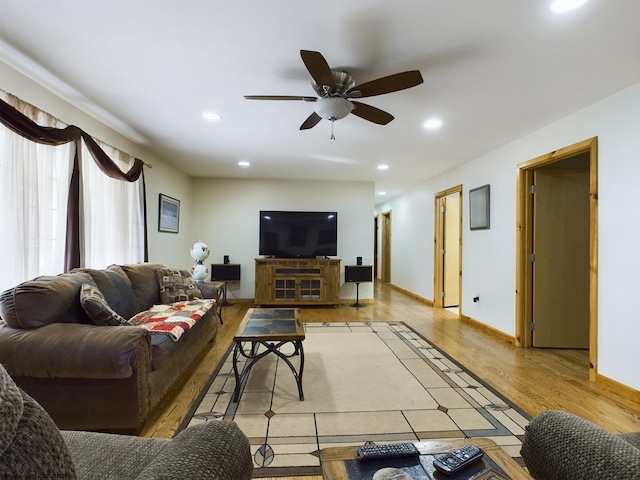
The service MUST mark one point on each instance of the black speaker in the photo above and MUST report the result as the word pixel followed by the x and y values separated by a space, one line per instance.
pixel 226 259
pixel 358 260
pixel 357 274
pixel 225 273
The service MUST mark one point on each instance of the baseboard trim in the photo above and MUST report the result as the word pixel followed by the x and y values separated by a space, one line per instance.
pixel 617 388
pixel 494 332
pixel 413 295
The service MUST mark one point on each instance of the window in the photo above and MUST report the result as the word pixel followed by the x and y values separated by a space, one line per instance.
pixel 34 192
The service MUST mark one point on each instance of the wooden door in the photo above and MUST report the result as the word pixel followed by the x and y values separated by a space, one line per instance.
pixel 451 251
pixel 561 258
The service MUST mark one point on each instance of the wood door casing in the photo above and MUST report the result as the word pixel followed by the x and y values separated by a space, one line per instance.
pixel 385 274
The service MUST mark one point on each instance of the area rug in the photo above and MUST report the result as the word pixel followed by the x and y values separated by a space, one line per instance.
pixel 363 382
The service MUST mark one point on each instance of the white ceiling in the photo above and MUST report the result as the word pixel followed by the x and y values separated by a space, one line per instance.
pixel 494 71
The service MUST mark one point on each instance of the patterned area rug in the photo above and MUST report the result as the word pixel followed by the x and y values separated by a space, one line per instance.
pixel 363 382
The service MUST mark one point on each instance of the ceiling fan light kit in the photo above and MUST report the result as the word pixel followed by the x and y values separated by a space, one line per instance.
pixel 333 108
pixel 336 88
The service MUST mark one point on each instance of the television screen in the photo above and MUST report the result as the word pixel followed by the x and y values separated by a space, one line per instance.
pixel 298 234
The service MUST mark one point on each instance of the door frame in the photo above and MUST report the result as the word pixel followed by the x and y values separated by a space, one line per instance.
pixel 385 243
pixel 438 245
pixel 524 244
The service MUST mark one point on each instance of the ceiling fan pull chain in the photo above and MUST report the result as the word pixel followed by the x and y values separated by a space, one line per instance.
pixel 333 137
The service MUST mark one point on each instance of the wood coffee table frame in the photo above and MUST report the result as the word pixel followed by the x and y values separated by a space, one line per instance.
pixel 333 458
pixel 272 328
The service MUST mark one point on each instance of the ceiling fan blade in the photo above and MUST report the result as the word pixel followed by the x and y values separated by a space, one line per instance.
pixel 318 68
pixel 392 83
pixel 311 122
pixel 372 114
pixel 279 97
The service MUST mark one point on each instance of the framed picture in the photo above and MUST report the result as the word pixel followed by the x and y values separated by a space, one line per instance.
pixel 479 215
pixel 169 214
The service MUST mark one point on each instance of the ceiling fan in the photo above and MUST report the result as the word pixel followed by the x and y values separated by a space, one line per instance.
pixel 336 90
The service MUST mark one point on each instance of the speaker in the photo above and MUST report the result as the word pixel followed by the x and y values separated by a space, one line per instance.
pixel 226 259
pixel 357 274
pixel 358 260
pixel 225 273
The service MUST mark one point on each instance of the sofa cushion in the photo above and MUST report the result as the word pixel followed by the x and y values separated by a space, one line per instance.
pixel 97 308
pixel 44 300
pixel 176 285
pixel 31 445
pixel 116 288
pixel 145 284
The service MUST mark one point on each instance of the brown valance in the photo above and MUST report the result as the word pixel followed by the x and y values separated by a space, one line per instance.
pixel 24 126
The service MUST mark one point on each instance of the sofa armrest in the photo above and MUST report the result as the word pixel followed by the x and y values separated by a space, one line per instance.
pixel 73 350
pixel 216 450
pixel 561 446
pixel 214 290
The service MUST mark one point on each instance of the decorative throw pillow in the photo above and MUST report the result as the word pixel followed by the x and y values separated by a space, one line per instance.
pixel 97 308
pixel 176 285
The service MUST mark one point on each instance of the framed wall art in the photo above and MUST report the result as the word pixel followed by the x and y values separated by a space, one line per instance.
pixel 169 214
pixel 479 213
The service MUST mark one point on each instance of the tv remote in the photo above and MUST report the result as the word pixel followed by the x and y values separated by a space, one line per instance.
pixel 452 462
pixel 392 450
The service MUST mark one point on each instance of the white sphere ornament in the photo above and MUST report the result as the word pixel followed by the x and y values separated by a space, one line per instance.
pixel 199 272
pixel 200 251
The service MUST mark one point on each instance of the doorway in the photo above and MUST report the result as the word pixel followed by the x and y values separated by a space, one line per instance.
pixel 556 269
pixel 448 249
pixel 375 247
pixel 385 266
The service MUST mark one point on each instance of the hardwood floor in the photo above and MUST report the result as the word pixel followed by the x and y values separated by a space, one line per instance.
pixel 534 379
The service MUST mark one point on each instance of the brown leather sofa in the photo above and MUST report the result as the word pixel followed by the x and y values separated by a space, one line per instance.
pixel 89 376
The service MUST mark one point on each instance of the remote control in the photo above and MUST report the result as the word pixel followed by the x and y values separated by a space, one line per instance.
pixel 392 450
pixel 450 463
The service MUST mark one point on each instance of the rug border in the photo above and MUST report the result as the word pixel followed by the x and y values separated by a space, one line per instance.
pixel 484 383
pixel 195 403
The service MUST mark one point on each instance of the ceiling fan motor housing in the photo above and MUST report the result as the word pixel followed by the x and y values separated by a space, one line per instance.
pixel 343 80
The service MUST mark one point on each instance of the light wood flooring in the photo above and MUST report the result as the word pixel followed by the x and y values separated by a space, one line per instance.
pixel 534 379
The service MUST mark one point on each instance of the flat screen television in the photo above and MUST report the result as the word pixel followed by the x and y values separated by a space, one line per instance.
pixel 298 234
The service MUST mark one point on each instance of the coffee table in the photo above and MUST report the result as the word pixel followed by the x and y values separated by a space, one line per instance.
pixel 270 328
pixel 334 460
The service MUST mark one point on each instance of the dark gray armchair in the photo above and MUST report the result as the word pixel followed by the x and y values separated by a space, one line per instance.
pixel 561 446
pixel 31 446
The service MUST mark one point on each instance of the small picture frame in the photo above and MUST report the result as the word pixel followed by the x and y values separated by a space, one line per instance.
pixel 168 214
pixel 479 212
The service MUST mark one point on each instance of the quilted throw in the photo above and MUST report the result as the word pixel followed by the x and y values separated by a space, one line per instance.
pixel 173 320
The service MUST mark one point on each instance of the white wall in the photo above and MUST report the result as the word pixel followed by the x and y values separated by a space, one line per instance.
pixel 226 215
pixel 488 262
pixel 167 248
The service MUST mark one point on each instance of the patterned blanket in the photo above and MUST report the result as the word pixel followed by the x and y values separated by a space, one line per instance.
pixel 174 319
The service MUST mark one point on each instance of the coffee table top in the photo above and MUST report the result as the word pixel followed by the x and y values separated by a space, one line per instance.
pixel 263 324
pixel 334 468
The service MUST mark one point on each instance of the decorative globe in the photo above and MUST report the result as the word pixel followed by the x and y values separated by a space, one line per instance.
pixel 200 251
pixel 199 272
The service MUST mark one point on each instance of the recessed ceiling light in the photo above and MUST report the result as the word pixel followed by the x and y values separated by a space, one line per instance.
pixel 433 124
pixel 383 167
pixel 244 164
pixel 561 6
pixel 211 116
pixel 382 193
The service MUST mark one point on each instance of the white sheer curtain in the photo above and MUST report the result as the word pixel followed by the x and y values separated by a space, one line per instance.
pixel 112 221
pixel 34 188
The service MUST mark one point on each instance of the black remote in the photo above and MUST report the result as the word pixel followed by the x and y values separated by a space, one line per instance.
pixel 450 463
pixel 392 450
